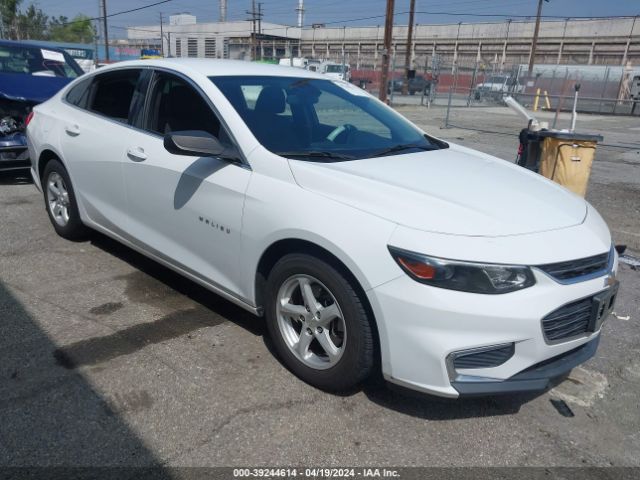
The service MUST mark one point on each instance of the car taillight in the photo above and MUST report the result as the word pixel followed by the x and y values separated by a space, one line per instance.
pixel 28 119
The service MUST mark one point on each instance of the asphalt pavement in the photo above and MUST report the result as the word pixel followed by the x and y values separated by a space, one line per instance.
pixel 110 359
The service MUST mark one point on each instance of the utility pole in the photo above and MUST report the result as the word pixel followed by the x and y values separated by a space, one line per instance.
pixel 95 45
pixel 161 37
pixel 409 49
pixel 534 42
pixel 260 28
pixel 388 30
pixel 104 27
pixel 253 19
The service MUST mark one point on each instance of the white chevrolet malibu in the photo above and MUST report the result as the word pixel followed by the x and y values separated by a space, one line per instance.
pixel 366 243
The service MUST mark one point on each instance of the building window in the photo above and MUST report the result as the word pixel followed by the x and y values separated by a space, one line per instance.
pixel 178 47
pixel 225 48
pixel 210 47
pixel 192 47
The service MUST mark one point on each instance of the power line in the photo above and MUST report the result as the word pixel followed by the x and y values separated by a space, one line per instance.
pixel 280 27
pixel 122 12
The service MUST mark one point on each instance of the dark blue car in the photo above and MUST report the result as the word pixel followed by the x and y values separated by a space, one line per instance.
pixel 29 74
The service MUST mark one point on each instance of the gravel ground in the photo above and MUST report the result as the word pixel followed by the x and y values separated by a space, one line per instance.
pixel 110 359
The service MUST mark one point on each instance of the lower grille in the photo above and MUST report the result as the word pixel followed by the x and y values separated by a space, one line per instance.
pixel 485 357
pixel 568 321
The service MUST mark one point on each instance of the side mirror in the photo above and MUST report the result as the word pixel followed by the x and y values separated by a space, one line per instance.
pixel 195 143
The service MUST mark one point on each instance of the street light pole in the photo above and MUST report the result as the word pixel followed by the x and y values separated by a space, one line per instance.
pixel 388 31
pixel 534 42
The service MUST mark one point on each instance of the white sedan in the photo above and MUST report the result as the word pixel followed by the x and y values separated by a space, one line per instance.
pixel 367 244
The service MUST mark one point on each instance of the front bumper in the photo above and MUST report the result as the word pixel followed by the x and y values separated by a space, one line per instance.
pixel 535 378
pixel 422 326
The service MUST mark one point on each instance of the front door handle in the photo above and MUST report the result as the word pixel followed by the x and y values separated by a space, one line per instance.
pixel 136 154
pixel 73 130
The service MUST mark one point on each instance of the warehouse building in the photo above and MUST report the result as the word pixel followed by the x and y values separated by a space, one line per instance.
pixel 495 45
pixel 184 37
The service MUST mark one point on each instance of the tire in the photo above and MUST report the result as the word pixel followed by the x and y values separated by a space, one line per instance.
pixel 350 331
pixel 61 207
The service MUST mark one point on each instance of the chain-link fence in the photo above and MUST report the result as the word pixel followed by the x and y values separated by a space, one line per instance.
pixel 553 89
pixel 602 89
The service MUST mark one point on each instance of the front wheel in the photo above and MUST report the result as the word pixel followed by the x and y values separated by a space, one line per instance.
pixel 61 203
pixel 318 323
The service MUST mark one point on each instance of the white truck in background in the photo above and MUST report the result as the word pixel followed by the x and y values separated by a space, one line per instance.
pixel 497 86
pixel 299 62
pixel 338 71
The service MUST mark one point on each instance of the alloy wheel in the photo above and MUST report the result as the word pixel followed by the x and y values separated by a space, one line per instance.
pixel 311 322
pixel 58 199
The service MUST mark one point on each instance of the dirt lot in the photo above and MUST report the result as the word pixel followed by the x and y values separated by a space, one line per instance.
pixel 110 359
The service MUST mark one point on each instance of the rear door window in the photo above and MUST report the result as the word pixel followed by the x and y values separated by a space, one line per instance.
pixel 112 94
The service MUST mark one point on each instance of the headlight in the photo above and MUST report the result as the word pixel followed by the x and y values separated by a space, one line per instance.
pixel 464 276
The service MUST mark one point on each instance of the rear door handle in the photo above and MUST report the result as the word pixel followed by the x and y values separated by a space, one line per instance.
pixel 136 154
pixel 73 130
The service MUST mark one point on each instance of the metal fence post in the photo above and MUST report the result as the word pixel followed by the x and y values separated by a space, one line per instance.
pixel 604 89
pixel 446 120
pixel 473 82
pixel 561 99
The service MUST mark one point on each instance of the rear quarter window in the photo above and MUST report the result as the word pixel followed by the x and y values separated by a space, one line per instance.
pixel 79 93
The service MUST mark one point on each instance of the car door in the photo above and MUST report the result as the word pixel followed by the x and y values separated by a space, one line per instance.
pixel 187 210
pixel 95 127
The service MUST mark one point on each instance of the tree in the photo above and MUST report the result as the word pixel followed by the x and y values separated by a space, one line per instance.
pixel 33 24
pixel 9 18
pixel 78 30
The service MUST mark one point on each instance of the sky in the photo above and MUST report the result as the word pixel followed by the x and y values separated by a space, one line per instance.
pixel 345 12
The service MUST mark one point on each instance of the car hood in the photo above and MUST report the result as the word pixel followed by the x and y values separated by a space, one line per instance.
pixel 455 191
pixel 30 88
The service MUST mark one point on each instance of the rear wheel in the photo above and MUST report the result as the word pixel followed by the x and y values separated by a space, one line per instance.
pixel 60 201
pixel 318 323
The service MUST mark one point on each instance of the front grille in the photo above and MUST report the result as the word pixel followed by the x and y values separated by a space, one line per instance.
pixel 568 321
pixel 484 358
pixel 572 269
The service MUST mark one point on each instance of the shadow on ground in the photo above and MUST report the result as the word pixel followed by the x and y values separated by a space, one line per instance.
pixel 377 390
pixel 52 416
pixel 15 177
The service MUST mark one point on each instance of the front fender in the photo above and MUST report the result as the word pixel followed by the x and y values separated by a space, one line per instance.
pixel 287 211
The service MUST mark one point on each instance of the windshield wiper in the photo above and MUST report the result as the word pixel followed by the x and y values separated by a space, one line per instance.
pixel 404 146
pixel 316 154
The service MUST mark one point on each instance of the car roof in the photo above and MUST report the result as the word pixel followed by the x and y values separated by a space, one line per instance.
pixel 30 44
pixel 217 67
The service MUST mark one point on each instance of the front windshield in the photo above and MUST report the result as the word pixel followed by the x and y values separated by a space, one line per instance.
pixel 320 120
pixel 35 61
